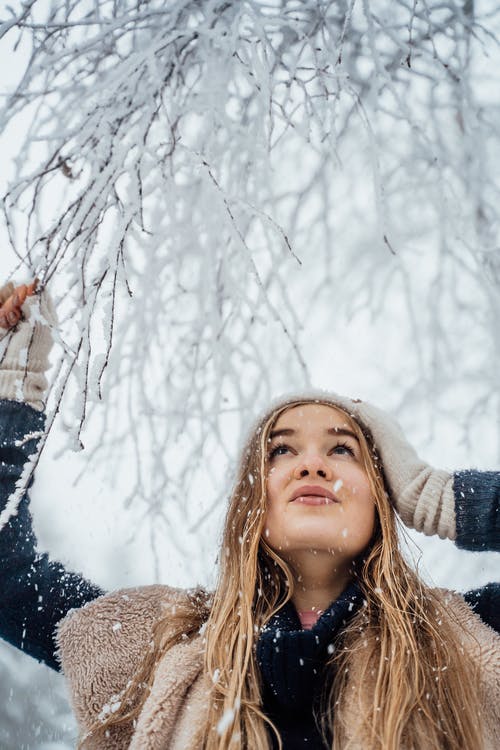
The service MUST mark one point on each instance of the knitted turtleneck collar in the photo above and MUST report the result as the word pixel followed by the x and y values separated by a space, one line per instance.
pixel 291 659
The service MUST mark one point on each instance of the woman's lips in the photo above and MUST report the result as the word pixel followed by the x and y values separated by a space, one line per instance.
pixel 313 500
pixel 313 495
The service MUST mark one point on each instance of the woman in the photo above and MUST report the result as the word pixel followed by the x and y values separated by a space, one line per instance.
pixel 318 633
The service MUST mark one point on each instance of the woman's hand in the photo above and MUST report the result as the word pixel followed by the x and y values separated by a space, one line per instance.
pixel 422 495
pixel 11 300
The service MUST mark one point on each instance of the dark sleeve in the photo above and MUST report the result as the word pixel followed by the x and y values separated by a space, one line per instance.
pixel 35 593
pixel 477 510
pixel 486 603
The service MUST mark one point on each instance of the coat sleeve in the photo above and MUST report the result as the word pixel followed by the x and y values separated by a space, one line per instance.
pixel 36 593
pixel 477 510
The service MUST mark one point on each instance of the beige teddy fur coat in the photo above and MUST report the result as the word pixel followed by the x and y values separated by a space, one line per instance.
pixel 102 644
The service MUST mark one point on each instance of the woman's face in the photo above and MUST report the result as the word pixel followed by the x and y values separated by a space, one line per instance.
pixel 318 492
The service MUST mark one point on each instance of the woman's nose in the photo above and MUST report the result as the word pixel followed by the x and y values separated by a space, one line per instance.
pixel 313 466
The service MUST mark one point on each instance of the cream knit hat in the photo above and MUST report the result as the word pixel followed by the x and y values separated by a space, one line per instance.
pixel 423 496
pixel 24 350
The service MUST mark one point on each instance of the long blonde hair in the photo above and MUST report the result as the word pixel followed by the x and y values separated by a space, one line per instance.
pixel 398 661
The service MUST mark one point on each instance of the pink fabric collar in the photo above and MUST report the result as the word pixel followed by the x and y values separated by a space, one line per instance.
pixel 309 617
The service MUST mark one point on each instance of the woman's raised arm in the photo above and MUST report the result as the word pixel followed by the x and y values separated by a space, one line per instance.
pixel 35 592
pixel 464 506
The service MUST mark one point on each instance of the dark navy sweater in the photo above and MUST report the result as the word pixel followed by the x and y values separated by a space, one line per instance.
pixel 37 593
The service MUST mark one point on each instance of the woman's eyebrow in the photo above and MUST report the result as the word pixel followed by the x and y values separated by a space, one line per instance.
pixel 331 431
pixel 343 431
pixel 283 431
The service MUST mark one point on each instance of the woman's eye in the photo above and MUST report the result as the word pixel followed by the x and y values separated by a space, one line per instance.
pixel 343 449
pixel 278 450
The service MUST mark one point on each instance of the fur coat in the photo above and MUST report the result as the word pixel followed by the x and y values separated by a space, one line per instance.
pixel 102 644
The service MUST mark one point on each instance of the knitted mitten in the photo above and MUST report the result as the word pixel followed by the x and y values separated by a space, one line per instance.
pixel 423 496
pixel 24 350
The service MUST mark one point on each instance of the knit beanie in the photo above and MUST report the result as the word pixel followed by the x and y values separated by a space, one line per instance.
pixel 423 496
pixel 25 349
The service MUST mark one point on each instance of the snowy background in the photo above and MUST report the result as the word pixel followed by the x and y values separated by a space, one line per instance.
pixel 294 194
